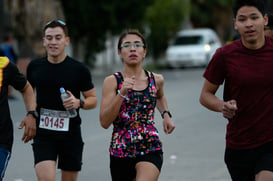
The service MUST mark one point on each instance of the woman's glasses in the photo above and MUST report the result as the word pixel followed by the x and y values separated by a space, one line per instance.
pixel 130 45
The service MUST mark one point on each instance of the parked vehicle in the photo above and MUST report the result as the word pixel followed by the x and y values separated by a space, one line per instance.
pixel 190 48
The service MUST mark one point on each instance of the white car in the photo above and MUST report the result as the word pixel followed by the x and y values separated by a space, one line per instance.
pixel 191 48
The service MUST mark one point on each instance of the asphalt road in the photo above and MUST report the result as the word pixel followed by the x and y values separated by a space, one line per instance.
pixel 194 152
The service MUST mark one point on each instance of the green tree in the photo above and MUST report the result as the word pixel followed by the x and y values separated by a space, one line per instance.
pixel 215 14
pixel 165 18
pixel 91 21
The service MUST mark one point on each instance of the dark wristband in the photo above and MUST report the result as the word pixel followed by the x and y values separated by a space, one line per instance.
pixel 33 113
pixel 166 111
pixel 81 103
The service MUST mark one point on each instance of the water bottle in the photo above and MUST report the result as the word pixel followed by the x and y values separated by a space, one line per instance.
pixel 64 95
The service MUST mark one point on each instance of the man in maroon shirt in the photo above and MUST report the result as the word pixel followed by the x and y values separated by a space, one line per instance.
pixel 245 67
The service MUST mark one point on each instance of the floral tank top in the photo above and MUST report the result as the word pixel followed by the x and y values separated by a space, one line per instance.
pixel 134 131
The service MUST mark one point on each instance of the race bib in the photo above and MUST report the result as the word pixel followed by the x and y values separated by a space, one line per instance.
pixel 54 120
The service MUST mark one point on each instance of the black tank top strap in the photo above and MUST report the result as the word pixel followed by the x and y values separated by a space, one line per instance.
pixel 150 75
pixel 119 79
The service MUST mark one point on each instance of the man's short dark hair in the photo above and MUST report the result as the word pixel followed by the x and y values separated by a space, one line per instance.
pixel 259 4
pixel 57 23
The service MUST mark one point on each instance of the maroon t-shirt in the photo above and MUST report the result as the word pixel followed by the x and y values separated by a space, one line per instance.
pixel 248 78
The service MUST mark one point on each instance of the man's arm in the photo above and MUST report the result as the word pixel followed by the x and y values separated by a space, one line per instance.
pixel 212 102
pixel 29 122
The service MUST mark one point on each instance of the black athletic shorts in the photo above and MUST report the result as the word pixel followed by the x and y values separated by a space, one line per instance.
pixel 68 153
pixel 243 165
pixel 123 169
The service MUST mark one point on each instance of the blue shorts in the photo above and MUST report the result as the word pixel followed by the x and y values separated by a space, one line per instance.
pixel 4 159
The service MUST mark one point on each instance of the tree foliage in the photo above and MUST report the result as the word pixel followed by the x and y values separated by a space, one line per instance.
pixel 164 19
pixel 91 21
pixel 215 14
